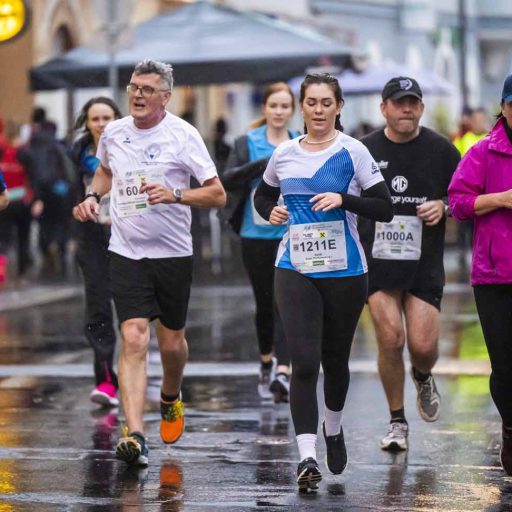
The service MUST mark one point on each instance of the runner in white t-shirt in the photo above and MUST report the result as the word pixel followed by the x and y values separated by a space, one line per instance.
pixel 147 159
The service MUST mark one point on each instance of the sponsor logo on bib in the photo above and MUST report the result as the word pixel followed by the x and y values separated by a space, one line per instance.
pixel 399 184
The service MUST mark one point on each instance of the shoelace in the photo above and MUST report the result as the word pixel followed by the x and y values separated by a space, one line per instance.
pixel 174 411
pixel 427 389
pixel 397 429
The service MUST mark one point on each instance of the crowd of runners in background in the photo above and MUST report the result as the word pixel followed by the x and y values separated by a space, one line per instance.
pixel 327 223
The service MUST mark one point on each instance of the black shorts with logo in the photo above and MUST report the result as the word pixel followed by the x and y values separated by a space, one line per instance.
pixel 152 288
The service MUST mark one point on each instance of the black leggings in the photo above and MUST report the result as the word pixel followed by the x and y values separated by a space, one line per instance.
pixel 94 260
pixel 259 257
pixel 319 318
pixel 494 305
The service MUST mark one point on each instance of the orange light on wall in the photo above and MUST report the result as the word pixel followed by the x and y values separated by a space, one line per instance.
pixel 13 18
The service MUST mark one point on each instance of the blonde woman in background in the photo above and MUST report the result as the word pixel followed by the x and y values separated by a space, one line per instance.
pixel 259 238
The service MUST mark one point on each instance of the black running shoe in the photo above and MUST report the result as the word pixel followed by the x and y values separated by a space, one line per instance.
pixel 308 475
pixel 280 388
pixel 267 375
pixel 336 458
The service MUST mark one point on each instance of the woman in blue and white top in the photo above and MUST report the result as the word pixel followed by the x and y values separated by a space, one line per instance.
pixel 320 279
pixel 259 239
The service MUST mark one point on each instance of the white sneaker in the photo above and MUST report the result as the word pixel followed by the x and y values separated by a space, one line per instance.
pixel 396 438
pixel 266 377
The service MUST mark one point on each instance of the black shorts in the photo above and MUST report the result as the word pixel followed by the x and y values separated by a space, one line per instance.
pixel 152 288
pixel 432 296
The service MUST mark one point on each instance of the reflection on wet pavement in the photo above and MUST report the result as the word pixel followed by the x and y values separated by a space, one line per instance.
pixel 237 454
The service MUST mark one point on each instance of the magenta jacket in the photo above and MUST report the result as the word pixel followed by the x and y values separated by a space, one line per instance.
pixel 486 168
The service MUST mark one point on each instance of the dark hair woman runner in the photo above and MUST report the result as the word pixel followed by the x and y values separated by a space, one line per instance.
pixel 321 282
pixel 92 251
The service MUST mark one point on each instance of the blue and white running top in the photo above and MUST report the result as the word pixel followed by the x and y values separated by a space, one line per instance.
pixel 323 244
pixel 253 225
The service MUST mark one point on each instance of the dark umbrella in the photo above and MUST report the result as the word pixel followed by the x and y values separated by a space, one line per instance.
pixel 207 44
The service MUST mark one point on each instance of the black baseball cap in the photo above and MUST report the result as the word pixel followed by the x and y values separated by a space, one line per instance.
pixel 506 94
pixel 401 86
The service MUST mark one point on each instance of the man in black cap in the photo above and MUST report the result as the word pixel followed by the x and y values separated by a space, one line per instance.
pixel 405 256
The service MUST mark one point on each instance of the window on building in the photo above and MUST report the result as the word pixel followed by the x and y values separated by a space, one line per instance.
pixel 62 40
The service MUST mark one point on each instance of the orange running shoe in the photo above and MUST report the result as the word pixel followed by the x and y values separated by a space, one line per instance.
pixel 173 420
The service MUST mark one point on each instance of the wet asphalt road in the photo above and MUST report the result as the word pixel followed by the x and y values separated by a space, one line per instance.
pixel 237 453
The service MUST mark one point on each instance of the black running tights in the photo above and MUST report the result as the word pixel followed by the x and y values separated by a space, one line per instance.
pixel 494 305
pixel 259 258
pixel 94 261
pixel 319 318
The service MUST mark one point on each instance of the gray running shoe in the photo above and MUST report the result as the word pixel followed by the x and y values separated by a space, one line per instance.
pixel 428 400
pixel 267 375
pixel 396 438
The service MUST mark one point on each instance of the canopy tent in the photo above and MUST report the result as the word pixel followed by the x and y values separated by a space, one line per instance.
pixel 206 44
pixel 373 79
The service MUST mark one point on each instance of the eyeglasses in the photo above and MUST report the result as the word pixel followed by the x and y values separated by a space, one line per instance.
pixel 146 90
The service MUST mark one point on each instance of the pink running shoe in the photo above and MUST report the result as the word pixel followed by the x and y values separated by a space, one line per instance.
pixel 105 394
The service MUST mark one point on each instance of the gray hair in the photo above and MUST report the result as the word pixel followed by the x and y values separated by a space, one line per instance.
pixel 147 66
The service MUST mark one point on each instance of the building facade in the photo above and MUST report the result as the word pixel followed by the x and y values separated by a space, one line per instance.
pixel 57 26
pixel 450 37
pixel 454 38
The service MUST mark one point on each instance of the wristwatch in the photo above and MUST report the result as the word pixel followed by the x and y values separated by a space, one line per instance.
pixel 93 194
pixel 177 194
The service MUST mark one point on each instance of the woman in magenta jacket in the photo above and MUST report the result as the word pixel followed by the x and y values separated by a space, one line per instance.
pixel 481 189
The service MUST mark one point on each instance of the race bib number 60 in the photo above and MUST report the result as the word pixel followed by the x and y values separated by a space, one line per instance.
pixel 319 247
pixel 130 200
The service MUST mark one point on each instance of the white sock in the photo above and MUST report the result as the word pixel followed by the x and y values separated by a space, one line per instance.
pixel 332 421
pixel 307 446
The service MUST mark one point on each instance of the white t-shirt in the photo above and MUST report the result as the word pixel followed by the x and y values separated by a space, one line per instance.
pixel 170 153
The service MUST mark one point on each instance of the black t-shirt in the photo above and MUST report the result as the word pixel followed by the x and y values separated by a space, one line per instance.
pixel 416 171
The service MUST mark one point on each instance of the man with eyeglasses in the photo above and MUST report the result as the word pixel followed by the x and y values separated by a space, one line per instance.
pixel 146 161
